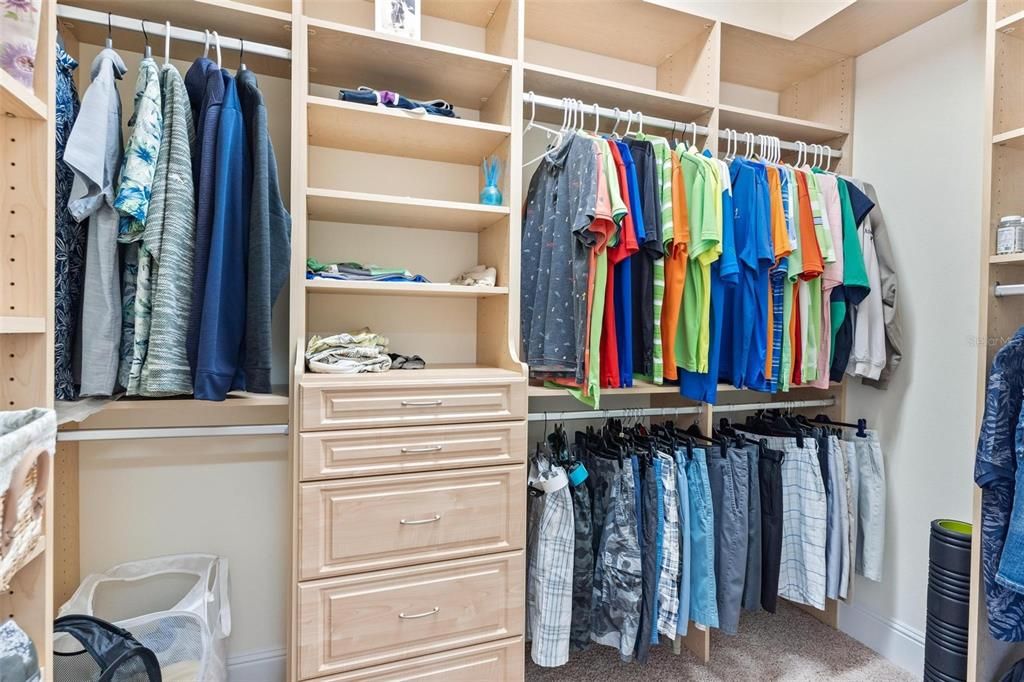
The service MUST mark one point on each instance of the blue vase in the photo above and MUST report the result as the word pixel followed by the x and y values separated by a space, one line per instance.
pixel 490 196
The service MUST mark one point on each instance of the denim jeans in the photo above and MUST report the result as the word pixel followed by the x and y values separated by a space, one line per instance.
pixel 684 554
pixel 703 599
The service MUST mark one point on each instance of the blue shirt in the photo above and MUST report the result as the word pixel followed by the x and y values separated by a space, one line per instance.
pixel 724 274
pixel 220 360
pixel 995 471
pixel 764 255
pixel 624 275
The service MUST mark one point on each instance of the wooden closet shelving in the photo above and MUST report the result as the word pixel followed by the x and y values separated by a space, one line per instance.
pixel 27 150
pixel 999 317
pixel 377 130
pixel 785 127
pixel 431 289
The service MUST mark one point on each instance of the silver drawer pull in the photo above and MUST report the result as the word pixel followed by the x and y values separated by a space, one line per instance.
pixel 427 448
pixel 410 616
pixel 422 403
pixel 417 522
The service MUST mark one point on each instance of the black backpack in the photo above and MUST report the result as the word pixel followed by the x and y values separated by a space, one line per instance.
pixel 108 653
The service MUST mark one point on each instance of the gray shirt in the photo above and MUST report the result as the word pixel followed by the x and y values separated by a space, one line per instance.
pixel 560 207
pixel 889 280
pixel 93 152
pixel 169 242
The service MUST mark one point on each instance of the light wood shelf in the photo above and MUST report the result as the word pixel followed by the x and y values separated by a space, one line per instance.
pixel 397 132
pixel 19 101
pixel 785 127
pixel 431 371
pixel 240 408
pixel 363 208
pixel 764 61
pixel 349 56
pixel 424 289
pixel 545 80
pixel 262 22
pixel 1011 138
pixel 644 32
pixel 1004 258
pixel 22 325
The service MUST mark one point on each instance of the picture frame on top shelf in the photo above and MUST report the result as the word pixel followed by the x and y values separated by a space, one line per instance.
pixel 398 17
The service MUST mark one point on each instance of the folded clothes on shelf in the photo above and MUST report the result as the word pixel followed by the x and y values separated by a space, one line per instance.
pixel 355 353
pixel 359 272
pixel 387 98
pixel 406 361
pixel 479 276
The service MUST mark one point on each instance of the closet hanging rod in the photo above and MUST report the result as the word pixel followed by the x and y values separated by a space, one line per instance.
pixel 174 432
pixel 1001 290
pixel 670 411
pixel 681 127
pixel 177 33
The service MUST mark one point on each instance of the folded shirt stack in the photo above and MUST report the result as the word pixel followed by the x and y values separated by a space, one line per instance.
pixel 356 353
pixel 359 272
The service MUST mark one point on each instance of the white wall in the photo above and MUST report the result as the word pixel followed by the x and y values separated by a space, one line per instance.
pixel 918 127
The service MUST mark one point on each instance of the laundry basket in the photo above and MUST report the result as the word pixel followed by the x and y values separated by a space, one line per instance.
pixel 27 442
pixel 187 633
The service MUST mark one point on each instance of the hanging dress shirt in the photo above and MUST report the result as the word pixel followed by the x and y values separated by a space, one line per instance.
pixel 134 190
pixel 169 244
pixel 69 238
pixel 94 154
pixel 222 331
pixel 270 230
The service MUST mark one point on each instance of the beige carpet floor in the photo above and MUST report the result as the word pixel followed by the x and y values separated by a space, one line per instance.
pixel 789 645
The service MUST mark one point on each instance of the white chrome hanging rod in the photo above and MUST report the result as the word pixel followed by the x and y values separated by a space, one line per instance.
pixel 681 127
pixel 157 29
pixel 670 411
pixel 1001 290
pixel 174 432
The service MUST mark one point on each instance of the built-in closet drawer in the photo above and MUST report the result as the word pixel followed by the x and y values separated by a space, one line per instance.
pixel 374 452
pixel 360 402
pixel 501 661
pixel 368 524
pixel 371 619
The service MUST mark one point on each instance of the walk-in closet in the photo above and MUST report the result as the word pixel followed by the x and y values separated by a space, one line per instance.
pixel 510 340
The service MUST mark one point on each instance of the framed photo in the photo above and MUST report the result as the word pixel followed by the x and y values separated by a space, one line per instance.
pixel 398 17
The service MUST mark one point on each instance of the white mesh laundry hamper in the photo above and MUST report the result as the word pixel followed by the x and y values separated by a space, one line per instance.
pixel 188 637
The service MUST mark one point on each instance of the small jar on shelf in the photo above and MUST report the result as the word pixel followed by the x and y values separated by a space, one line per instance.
pixel 1010 235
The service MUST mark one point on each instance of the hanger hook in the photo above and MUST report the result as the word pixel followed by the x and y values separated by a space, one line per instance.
pixel 828 158
pixel 206 43
pixel 167 42
pixel 597 118
pixel 241 53
pixel 629 122
pixel 216 43
pixel 110 33
pixel 640 115
pixel 694 140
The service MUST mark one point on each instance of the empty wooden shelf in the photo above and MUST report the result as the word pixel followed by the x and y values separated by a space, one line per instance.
pixel 19 101
pixel 22 325
pixel 785 127
pixel 363 208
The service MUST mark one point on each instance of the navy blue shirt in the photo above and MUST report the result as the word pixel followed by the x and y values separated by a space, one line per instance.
pixel 205 85
pixel 220 363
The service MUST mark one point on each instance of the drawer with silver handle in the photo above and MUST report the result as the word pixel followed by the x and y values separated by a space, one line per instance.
pixel 373 452
pixel 372 619
pixel 366 524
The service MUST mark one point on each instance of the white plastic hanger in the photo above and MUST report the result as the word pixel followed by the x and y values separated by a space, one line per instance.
pixel 216 42
pixel 749 137
pixel 828 158
pixel 549 131
pixel 693 142
pixel 597 118
pixel 167 43
pixel 206 43
pixel 629 123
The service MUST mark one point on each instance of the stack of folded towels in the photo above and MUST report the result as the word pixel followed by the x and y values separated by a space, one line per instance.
pixel 356 353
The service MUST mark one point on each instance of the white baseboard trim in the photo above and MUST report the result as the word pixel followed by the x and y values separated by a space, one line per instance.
pixel 266 665
pixel 898 642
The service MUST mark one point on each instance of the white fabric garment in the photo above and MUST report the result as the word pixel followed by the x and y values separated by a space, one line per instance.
pixel 867 358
